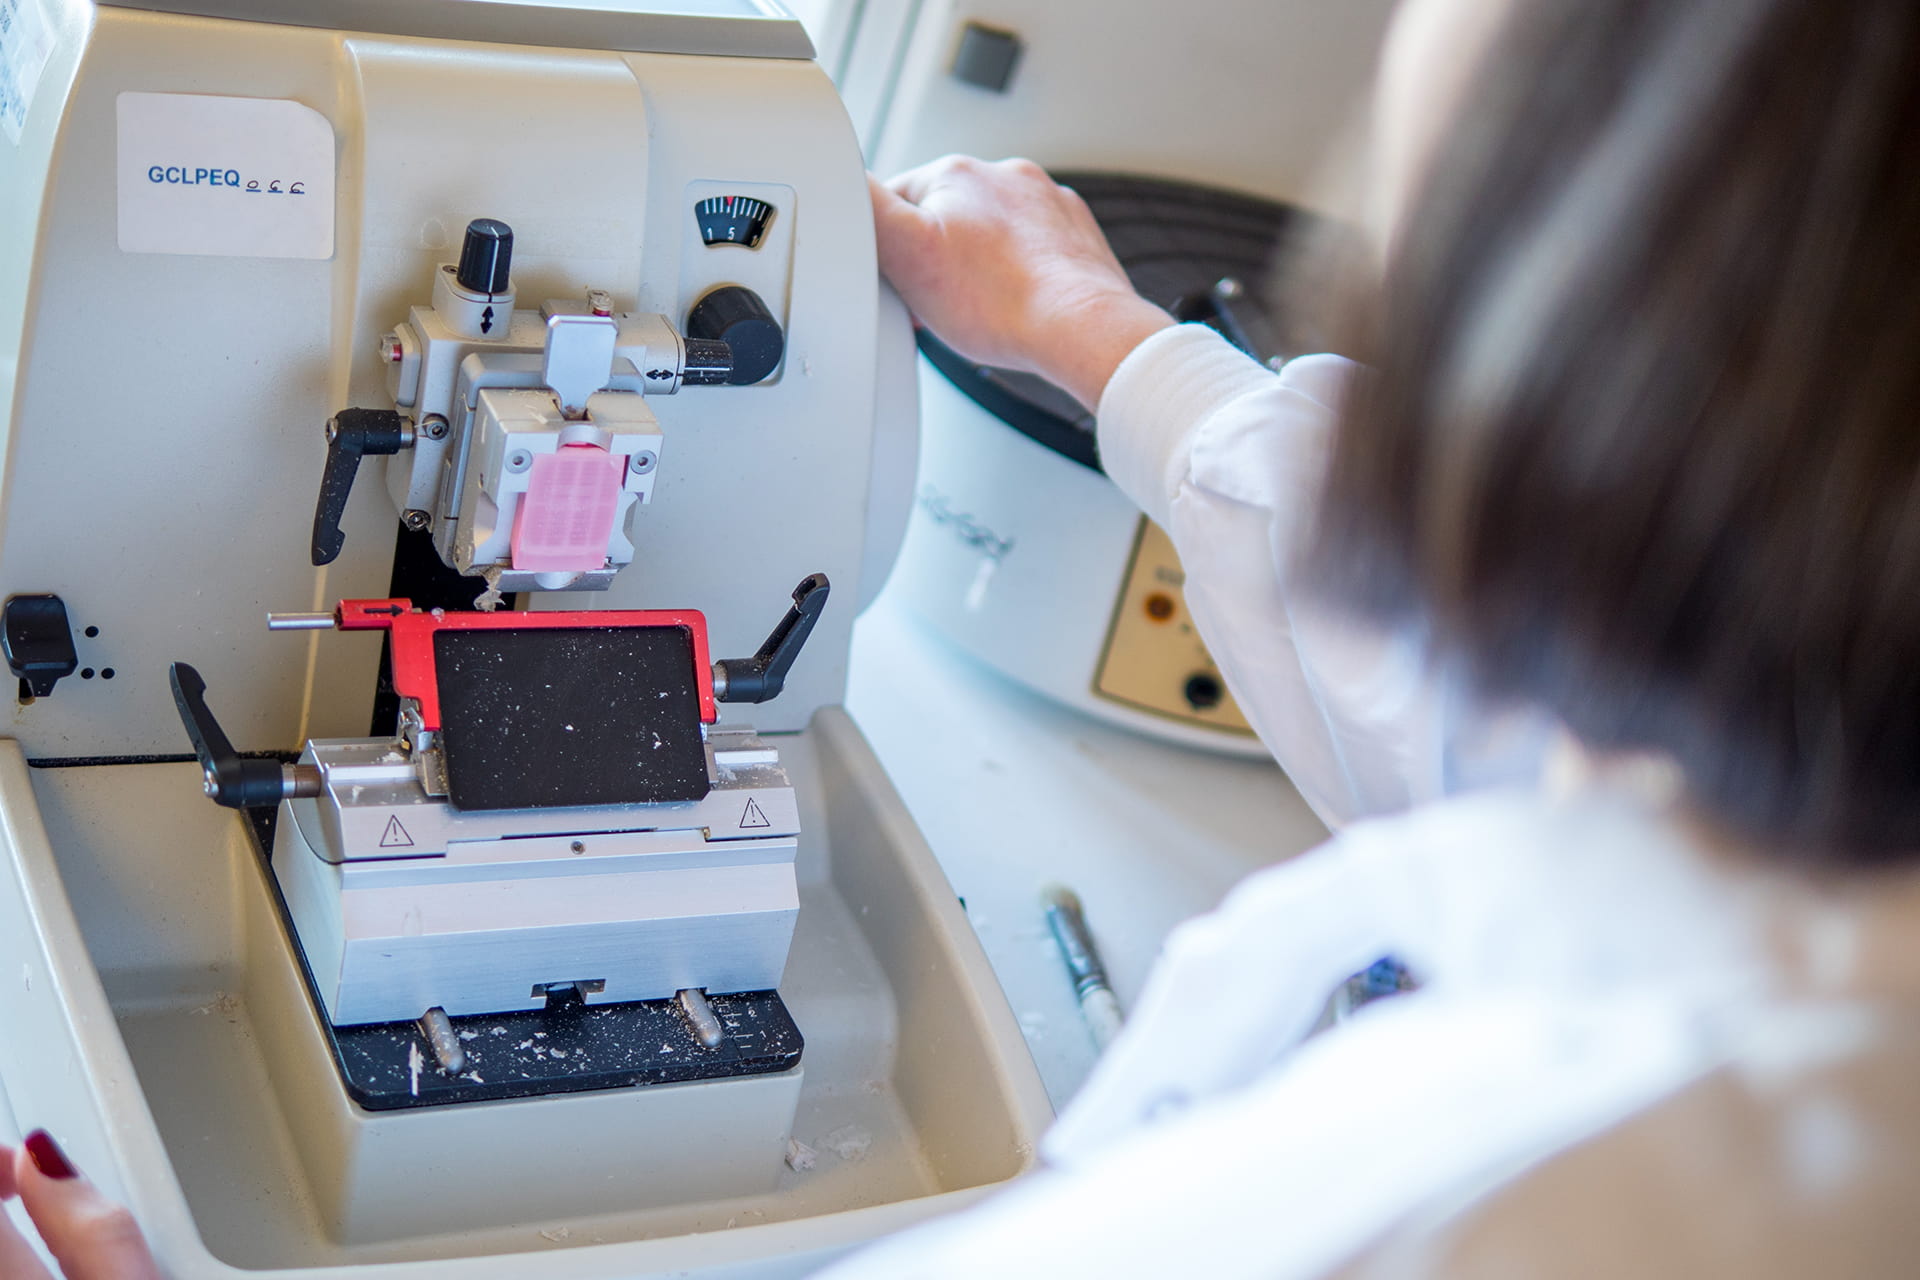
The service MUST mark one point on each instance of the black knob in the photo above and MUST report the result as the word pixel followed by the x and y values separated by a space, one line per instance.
pixel 38 643
pixel 734 314
pixel 1204 691
pixel 708 363
pixel 486 256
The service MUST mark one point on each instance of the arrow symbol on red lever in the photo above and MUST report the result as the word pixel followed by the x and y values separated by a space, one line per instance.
pixel 486 320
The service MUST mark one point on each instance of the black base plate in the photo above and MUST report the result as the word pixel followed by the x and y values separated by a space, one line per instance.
pixel 568 1047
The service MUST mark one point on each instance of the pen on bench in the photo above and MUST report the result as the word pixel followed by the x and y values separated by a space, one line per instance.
pixel 1084 967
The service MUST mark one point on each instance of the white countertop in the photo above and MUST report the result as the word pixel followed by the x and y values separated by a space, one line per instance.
pixel 1014 791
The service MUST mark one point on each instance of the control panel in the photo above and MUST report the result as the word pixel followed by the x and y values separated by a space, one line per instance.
pixel 736 269
pixel 1153 659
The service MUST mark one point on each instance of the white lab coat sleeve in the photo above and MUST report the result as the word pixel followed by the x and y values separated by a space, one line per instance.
pixel 1228 458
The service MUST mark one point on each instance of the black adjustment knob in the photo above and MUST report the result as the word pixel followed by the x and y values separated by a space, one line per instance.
pixel 38 643
pixel 486 256
pixel 708 363
pixel 734 314
pixel 1204 691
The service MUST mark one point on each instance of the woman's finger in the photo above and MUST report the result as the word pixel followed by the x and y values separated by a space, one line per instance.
pixel 93 1238
pixel 17 1258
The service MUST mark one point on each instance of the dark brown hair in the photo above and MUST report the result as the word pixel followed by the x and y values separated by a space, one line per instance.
pixel 1640 440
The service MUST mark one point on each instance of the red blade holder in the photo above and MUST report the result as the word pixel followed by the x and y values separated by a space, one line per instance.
pixel 413 631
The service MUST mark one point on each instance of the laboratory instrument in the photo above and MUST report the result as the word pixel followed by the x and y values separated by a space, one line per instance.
pixel 429 830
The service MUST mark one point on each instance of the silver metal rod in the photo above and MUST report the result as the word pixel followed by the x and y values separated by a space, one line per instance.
pixel 706 1027
pixel 300 781
pixel 299 622
pixel 445 1042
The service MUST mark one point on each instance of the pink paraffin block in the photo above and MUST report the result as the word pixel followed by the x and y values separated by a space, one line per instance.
pixel 567 511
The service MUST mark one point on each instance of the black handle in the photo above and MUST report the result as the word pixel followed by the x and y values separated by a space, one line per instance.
pixel 761 677
pixel 351 433
pixel 231 781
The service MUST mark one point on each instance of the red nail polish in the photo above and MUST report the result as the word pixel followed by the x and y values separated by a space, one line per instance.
pixel 48 1158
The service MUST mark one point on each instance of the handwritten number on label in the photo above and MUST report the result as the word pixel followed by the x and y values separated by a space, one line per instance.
pixel 272 188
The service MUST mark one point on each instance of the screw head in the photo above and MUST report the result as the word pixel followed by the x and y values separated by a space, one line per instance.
pixel 434 427
pixel 209 783
pixel 579 846
pixel 416 519
pixel 333 430
pixel 643 462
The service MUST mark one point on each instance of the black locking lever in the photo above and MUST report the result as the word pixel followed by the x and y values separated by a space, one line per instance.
pixel 761 677
pixel 232 781
pixel 351 434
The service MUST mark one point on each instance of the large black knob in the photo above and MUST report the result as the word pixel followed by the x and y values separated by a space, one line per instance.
pixel 734 314
pixel 486 256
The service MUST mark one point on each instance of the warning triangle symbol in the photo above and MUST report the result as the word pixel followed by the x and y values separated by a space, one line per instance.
pixel 395 836
pixel 753 817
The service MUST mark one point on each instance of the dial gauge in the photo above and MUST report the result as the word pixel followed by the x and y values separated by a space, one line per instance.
pixel 733 220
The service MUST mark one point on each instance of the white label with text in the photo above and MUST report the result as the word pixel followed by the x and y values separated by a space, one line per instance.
pixel 232 177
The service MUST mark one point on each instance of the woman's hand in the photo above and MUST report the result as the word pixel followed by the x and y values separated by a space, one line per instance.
pixel 92 1238
pixel 1009 268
